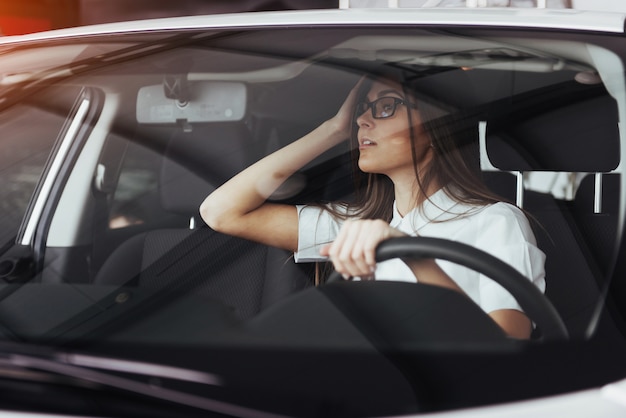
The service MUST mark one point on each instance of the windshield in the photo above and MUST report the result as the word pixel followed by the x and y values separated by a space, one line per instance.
pixel 195 195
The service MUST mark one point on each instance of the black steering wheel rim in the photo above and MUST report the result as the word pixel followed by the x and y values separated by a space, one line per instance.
pixel 532 301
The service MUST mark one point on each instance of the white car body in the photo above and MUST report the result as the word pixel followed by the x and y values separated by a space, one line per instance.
pixel 605 400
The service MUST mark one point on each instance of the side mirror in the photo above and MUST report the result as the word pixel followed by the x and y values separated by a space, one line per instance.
pixel 17 265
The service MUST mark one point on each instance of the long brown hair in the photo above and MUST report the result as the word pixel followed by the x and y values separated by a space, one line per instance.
pixel 455 166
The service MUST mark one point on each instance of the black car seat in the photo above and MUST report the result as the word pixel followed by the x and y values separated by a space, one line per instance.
pixel 579 138
pixel 244 275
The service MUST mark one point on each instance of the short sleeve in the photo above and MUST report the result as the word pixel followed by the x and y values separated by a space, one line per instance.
pixel 507 235
pixel 316 228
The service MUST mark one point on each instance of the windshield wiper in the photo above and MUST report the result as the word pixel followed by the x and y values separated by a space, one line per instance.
pixel 81 370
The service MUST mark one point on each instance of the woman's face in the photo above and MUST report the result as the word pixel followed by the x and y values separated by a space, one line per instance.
pixel 385 144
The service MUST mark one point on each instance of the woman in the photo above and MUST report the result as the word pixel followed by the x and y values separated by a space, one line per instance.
pixel 419 182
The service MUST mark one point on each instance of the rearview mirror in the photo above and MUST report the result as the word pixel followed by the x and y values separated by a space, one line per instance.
pixel 209 101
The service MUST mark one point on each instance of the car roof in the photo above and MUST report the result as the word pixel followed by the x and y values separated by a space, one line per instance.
pixel 568 19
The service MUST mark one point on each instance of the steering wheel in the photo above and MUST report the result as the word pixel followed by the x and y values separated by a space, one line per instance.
pixel 534 303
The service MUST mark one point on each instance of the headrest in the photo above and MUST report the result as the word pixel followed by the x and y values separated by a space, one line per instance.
pixel 197 162
pixel 581 137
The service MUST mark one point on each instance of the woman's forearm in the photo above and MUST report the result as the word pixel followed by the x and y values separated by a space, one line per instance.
pixel 249 189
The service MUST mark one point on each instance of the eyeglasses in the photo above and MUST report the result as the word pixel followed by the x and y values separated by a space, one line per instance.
pixel 382 108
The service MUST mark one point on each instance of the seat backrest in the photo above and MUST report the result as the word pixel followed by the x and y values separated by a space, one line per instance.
pixel 241 274
pixel 197 161
pixel 576 139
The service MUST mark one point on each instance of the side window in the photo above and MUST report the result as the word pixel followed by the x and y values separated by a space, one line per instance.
pixel 137 187
pixel 135 196
pixel 29 131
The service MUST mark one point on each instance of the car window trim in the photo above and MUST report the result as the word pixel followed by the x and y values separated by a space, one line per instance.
pixel 54 170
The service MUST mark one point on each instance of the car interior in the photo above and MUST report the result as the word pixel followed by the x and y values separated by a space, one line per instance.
pixel 141 171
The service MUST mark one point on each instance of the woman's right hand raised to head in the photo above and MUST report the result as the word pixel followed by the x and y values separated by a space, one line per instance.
pixel 340 125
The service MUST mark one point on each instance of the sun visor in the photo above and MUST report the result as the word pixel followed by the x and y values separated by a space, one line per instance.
pixel 178 100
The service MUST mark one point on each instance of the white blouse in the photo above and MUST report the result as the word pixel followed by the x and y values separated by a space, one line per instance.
pixel 499 229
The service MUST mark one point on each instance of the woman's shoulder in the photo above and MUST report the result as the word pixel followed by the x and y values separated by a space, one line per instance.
pixel 456 201
pixel 504 212
pixel 504 208
pixel 487 212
